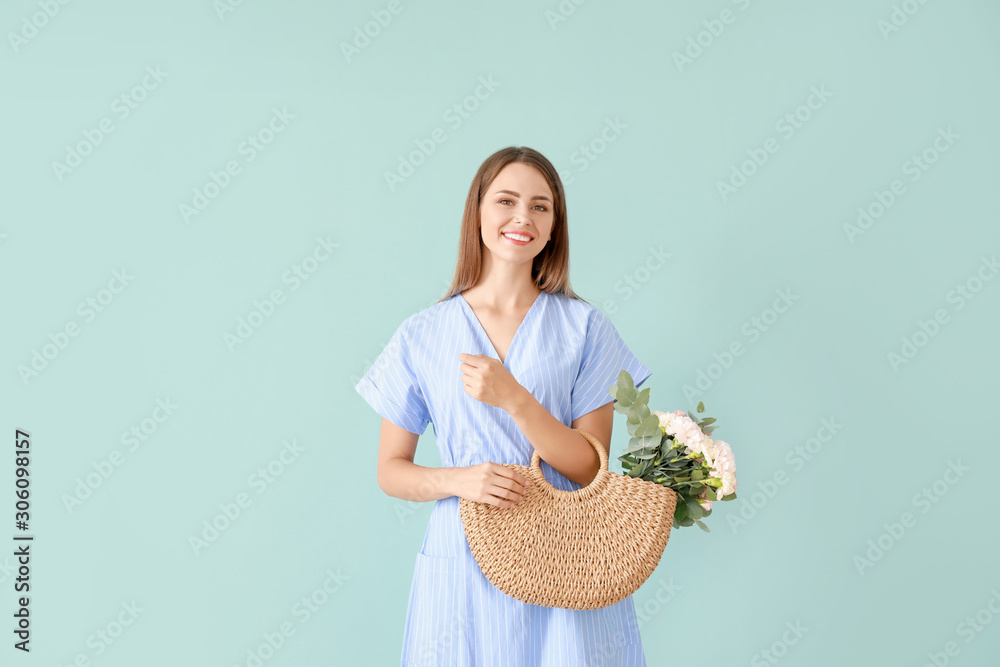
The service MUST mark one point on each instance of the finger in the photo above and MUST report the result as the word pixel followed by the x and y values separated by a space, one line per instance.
pixel 509 488
pixel 505 498
pixel 503 492
pixel 515 477
pixel 473 360
pixel 503 504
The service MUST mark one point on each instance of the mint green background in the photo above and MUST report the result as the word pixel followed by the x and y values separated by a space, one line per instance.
pixel 653 187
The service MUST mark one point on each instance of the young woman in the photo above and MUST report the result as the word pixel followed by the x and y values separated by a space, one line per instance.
pixel 509 361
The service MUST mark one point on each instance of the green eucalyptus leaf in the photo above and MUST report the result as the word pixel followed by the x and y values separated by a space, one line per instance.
pixel 643 397
pixel 635 444
pixel 625 380
pixel 703 526
pixel 639 412
pixel 695 511
pixel 650 426
pixel 627 395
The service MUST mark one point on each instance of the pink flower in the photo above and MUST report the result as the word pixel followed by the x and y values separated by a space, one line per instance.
pixel 686 432
pixel 710 449
pixel 704 502
pixel 664 417
pixel 724 468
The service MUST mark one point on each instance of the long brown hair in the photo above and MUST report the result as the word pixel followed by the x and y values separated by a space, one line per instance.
pixel 550 268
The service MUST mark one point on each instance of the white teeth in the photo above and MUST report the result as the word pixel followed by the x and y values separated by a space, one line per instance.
pixel 517 237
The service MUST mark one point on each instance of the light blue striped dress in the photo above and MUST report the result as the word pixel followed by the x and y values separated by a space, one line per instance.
pixel 566 353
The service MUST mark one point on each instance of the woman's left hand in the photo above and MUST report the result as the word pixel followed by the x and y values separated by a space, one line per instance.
pixel 489 381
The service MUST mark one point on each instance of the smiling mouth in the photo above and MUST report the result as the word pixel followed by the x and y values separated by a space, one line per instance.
pixel 515 236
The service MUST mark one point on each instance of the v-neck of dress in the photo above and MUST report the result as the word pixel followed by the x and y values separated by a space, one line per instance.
pixel 482 329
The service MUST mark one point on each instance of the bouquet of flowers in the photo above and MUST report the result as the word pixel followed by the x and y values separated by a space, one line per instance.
pixel 674 449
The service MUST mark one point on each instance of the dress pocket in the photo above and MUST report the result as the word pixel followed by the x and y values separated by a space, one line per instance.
pixel 436 629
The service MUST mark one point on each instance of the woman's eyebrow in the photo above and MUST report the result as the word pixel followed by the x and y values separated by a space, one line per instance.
pixel 518 194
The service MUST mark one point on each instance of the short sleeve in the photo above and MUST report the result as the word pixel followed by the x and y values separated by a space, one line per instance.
pixel 605 355
pixel 391 387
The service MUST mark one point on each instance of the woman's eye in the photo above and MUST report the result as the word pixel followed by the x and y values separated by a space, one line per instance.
pixel 541 206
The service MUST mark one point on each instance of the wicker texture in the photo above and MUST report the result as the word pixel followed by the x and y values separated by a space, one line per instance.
pixel 582 549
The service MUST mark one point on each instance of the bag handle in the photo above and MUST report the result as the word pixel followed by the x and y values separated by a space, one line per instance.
pixel 596 484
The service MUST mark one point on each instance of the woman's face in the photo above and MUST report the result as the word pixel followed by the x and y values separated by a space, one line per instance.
pixel 518 201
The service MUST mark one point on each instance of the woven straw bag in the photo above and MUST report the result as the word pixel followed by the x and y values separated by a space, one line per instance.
pixel 582 549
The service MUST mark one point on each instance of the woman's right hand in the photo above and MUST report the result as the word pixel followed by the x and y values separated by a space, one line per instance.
pixel 491 483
